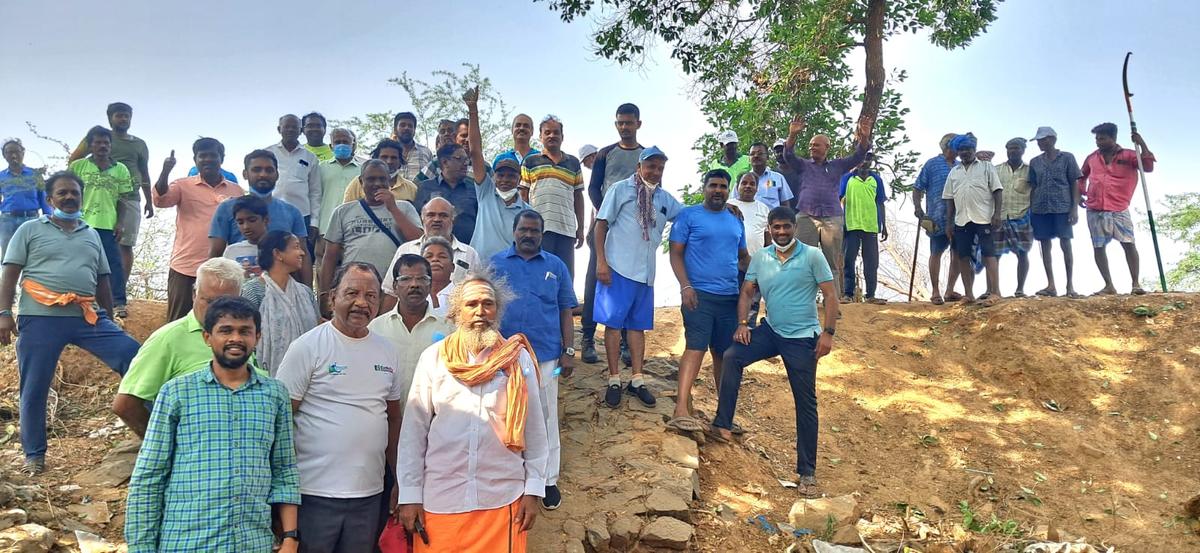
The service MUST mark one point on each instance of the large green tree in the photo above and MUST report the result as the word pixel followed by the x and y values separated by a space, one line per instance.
pixel 435 99
pixel 1182 223
pixel 756 63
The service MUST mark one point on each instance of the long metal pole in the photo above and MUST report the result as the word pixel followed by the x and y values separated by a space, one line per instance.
pixel 1162 276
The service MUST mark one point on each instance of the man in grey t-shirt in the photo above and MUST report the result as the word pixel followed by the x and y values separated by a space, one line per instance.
pixel 354 235
pixel 613 163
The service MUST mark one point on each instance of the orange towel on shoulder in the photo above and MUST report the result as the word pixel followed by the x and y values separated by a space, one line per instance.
pixel 504 357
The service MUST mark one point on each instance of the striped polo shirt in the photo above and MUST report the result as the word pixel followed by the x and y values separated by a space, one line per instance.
pixel 552 189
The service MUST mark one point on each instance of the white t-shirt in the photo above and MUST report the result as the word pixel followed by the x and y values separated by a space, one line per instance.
pixel 246 254
pixel 343 385
pixel 754 222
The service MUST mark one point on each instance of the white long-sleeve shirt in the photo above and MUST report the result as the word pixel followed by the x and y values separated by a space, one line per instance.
pixel 451 459
pixel 299 181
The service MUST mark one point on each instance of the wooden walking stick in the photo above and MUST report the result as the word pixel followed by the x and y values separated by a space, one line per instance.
pixel 1162 277
pixel 912 275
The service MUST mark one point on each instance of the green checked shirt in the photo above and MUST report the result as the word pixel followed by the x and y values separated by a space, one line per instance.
pixel 213 462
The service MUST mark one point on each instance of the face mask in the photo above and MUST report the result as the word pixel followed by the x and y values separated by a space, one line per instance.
pixel 788 247
pixel 60 214
pixel 507 196
pixel 343 151
pixel 262 193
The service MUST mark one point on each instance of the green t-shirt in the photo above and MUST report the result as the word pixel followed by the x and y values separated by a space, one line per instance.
pixel 742 165
pixel 131 151
pixel 101 190
pixel 862 198
pixel 323 152
pixel 175 349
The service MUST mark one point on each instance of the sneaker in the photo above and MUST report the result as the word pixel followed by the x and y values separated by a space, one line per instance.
pixel 34 466
pixel 642 393
pixel 553 498
pixel 612 397
pixel 626 357
pixel 589 352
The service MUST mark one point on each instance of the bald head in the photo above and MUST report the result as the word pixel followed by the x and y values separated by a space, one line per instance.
pixel 437 217
pixel 818 148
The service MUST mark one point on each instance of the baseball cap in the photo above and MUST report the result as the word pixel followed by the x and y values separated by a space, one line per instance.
pixel 586 150
pixel 725 137
pixel 781 143
pixel 1043 132
pixel 508 161
pixel 650 152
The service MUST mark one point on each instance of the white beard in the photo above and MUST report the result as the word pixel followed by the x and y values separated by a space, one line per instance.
pixel 476 340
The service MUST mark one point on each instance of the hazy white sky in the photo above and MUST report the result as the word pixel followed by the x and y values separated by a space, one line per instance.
pixel 228 69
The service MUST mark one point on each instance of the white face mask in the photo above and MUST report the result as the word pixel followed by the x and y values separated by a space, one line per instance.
pixel 788 247
pixel 507 195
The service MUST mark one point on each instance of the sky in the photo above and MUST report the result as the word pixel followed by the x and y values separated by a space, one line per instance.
pixel 229 69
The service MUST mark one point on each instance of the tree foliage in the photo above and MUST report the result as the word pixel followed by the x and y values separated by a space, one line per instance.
pixel 1182 223
pixel 756 63
pixel 435 99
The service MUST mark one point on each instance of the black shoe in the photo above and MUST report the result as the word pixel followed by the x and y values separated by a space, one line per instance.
pixel 553 499
pixel 626 357
pixel 612 397
pixel 34 466
pixel 642 393
pixel 589 352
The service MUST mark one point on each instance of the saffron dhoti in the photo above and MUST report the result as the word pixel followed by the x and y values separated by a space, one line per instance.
pixel 485 531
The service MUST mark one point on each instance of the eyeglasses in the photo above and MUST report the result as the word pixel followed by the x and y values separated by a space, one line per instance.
pixel 408 279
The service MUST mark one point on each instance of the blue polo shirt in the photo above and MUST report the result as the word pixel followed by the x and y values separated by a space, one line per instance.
pixel 790 288
pixel 713 240
pixel 543 287
pixel 627 252
pixel 494 221
pixel 22 192
pixel 228 176
pixel 283 216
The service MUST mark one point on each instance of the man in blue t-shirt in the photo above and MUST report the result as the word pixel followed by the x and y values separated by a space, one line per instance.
pixel 708 247
pixel 788 274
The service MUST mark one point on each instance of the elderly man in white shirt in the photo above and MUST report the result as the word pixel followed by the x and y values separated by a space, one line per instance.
pixel 473 446
pixel 437 219
pixel 299 174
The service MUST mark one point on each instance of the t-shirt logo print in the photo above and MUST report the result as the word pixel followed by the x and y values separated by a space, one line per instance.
pixel 336 369
pixel 384 369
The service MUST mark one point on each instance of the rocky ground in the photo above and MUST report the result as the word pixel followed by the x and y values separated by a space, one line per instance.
pixel 942 429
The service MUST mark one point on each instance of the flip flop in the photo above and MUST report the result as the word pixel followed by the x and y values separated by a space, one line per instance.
pixel 937 300
pixel 987 302
pixel 1138 291
pixel 715 434
pixel 1106 293
pixel 737 430
pixel 1018 294
pixel 1045 293
pixel 877 301
pixel 1074 295
pixel 954 296
pixel 685 424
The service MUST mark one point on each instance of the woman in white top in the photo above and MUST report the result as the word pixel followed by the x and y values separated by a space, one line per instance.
pixel 288 308
pixel 440 255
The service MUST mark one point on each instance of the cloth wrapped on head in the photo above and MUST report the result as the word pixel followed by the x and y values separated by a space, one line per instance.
pixel 964 141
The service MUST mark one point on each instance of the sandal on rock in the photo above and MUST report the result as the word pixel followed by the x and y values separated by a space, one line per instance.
pixel 714 433
pixel 937 300
pixel 954 296
pixel 1046 293
pixel 685 424
pixel 1018 294
pixel 1138 291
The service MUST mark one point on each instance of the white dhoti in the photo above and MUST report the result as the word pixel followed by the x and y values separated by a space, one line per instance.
pixel 549 398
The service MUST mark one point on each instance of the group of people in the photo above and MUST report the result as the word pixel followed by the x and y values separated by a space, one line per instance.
pixel 358 340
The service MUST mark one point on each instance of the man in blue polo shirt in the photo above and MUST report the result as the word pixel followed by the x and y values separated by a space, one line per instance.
pixel 708 247
pixel 546 295
pixel 498 198
pixel 21 195
pixel 788 274
pixel 261 174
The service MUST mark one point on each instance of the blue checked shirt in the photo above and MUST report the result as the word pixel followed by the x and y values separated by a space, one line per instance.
pixel 213 462
pixel 931 181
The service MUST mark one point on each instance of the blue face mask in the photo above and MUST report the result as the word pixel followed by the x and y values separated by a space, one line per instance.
pixel 343 151
pixel 60 214
pixel 262 193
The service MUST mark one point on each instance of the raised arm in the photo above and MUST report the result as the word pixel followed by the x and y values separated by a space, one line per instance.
pixel 163 196
pixel 478 165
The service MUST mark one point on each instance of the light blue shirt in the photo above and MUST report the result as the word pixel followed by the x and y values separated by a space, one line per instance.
pixel 790 288
pixel 282 216
pixel 494 220
pixel 712 241
pixel 773 189
pixel 627 252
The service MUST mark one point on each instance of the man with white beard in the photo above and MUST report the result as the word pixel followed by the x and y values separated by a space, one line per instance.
pixel 473 444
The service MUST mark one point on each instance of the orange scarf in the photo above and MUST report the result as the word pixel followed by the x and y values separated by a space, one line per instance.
pixel 504 357
pixel 46 296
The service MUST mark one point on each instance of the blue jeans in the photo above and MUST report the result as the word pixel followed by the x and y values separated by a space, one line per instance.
pixel 117 277
pixel 800 360
pixel 40 342
pixel 869 243
pixel 8 227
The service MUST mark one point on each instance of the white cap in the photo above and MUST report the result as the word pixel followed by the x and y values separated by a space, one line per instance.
pixel 725 137
pixel 779 143
pixel 586 150
pixel 1043 132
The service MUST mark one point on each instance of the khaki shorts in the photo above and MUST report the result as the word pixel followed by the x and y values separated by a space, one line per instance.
pixel 131 220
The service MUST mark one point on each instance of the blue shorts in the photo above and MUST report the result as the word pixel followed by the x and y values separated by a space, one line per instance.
pixel 974 236
pixel 711 324
pixel 625 304
pixel 1048 226
pixel 938 243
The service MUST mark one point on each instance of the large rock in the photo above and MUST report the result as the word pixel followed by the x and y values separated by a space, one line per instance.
pixel 597 532
pixel 669 533
pixel 27 538
pixel 681 451
pixel 12 517
pixel 663 503
pixel 575 546
pixel 112 472
pixel 625 530
pixel 95 512
pixel 574 530
pixel 815 514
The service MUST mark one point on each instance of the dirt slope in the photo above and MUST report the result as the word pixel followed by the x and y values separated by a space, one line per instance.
pixel 917 402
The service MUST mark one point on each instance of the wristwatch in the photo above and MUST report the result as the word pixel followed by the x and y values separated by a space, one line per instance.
pixel 829 330
pixel 294 534
pixel 569 351
pixel 744 322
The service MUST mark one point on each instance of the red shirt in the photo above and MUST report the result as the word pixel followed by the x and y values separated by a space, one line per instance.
pixel 1109 187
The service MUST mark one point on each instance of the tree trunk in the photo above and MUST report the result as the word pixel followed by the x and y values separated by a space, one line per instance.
pixel 873 92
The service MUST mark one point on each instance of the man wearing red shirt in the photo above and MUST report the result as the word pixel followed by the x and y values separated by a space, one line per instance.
pixel 1110 176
